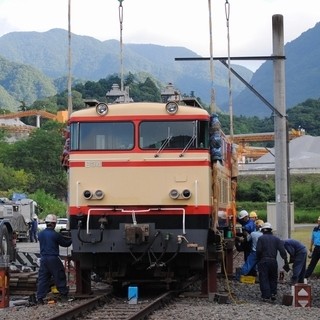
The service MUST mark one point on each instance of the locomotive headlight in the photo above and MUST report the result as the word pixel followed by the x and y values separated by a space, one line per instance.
pixel 174 194
pixel 172 107
pixel 87 194
pixel 99 194
pixel 102 109
pixel 186 194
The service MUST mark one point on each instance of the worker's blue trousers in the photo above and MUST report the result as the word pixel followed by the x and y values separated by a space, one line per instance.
pixel 268 277
pixel 299 267
pixel 51 266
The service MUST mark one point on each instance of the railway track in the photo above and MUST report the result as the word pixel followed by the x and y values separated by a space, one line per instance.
pixel 103 304
pixel 110 307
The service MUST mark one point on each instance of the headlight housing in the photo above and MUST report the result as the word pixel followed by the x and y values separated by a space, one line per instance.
pixel 172 107
pixel 102 109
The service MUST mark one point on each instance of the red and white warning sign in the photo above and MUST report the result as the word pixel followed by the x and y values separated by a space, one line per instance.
pixel 302 295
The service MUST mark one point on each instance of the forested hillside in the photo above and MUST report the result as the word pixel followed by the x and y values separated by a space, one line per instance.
pixel 302 77
pixel 19 82
pixel 93 60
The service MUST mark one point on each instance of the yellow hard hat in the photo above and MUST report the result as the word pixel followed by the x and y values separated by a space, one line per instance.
pixel 259 223
pixel 253 214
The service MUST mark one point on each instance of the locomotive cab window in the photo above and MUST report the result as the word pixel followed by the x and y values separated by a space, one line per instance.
pixel 173 134
pixel 102 136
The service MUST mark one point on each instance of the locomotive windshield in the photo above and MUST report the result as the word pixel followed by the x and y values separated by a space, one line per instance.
pixel 155 135
pixel 102 136
pixel 173 134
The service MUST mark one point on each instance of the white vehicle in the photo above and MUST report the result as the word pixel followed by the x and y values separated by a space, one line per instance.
pixel 61 224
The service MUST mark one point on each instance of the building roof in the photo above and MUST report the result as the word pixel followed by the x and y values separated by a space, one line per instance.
pixel 304 155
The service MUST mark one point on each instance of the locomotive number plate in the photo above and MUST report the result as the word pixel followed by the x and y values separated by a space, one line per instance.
pixel 93 164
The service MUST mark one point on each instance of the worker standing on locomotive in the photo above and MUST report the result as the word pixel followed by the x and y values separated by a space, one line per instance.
pixel 50 262
pixel 298 256
pixel 268 247
pixel 314 250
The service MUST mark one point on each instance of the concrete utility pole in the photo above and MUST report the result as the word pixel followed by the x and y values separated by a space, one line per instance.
pixel 280 132
pixel 69 61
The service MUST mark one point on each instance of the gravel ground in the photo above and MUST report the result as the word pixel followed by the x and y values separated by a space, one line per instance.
pixel 243 302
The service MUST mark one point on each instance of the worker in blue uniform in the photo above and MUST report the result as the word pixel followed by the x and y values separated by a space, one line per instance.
pixel 249 267
pixel 50 262
pixel 314 250
pixel 33 232
pixel 298 256
pixel 267 250
pixel 248 226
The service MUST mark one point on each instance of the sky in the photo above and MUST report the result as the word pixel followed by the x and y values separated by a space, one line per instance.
pixel 181 23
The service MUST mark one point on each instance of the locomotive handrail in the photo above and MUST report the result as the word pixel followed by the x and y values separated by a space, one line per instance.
pixel 133 213
pixel 166 209
pixel 183 217
pixel 86 241
pixel 196 185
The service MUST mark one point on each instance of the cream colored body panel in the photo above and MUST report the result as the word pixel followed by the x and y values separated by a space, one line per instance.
pixel 127 183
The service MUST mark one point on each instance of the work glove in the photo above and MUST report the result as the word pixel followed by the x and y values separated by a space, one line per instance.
pixel 310 254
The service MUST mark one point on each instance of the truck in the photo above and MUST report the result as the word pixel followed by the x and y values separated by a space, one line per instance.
pixel 15 218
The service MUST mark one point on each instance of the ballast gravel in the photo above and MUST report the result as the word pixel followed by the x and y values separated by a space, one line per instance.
pixel 242 302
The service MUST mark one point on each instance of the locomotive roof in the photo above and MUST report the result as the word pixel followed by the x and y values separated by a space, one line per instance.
pixel 145 108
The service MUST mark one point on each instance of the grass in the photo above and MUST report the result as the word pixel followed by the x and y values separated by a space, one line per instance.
pixel 304 236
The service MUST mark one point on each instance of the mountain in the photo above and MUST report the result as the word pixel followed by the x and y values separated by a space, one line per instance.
pixel 93 60
pixel 45 53
pixel 20 82
pixel 302 77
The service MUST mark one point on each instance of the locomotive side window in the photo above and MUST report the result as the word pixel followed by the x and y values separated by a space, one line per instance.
pixel 173 134
pixel 102 136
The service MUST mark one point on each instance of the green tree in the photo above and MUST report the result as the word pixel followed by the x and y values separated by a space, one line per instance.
pixel 40 155
pixel 15 180
pixel 306 116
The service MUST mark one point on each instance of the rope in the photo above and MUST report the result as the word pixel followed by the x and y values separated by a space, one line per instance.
pixel 227 280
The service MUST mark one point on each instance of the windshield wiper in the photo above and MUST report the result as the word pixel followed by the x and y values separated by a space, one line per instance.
pixel 190 142
pixel 164 144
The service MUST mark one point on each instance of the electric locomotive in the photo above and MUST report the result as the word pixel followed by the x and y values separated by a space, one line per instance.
pixel 150 191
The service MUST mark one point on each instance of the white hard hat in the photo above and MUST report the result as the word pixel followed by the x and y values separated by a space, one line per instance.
pixel 243 213
pixel 51 218
pixel 266 225
pixel 34 216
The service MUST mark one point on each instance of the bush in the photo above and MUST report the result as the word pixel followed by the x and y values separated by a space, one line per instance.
pixel 48 204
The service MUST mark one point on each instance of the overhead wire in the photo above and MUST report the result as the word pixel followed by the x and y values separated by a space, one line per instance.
pixel 69 61
pixel 121 44
pixel 227 12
